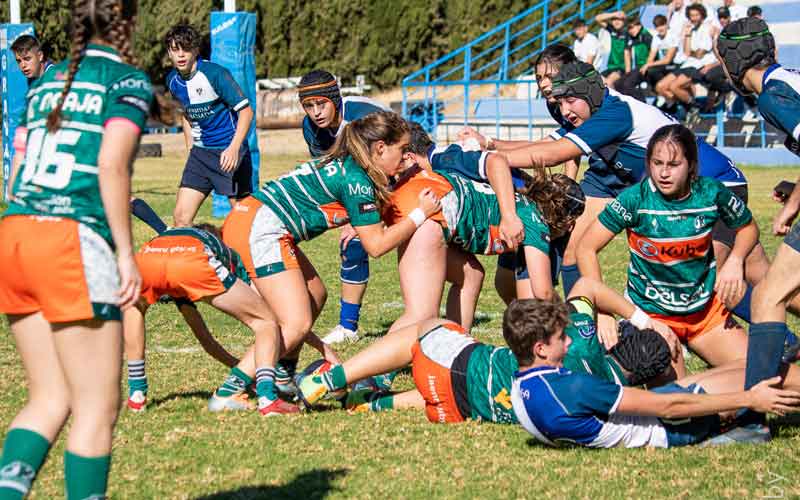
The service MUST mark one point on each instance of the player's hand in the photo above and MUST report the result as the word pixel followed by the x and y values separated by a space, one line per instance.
pixel 229 159
pixel 346 233
pixel 330 355
pixel 470 133
pixel 643 69
pixel 767 397
pixel 429 202
pixel 607 330
pixel 779 197
pixel 782 223
pixel 512 232
pixel 730 284
pixel 673 342
pixel 130 282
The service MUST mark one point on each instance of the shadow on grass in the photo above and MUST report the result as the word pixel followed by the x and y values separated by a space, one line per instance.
pixel 784 423
pixel 312 485
pixel 204 395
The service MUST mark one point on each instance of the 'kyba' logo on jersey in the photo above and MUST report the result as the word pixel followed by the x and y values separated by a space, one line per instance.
pixel 670 251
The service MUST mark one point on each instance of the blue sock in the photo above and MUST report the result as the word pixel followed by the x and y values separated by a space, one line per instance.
pixel 569 276
pixel 349 314
pixel 146 214
pixel 742 309
pixel 764 353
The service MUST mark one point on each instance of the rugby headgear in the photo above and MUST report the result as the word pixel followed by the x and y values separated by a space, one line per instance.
pixel 320 83
pixel 643 353
pixel 743 44
pixel 581 80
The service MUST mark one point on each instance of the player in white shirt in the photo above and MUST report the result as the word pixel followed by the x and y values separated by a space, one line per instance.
pixel 586 45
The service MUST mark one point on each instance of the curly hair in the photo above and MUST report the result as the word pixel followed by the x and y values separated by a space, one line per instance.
pixel 528 321
pixel 110 20
pixel 551 194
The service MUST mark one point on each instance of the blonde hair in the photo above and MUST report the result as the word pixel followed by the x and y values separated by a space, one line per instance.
pixel 356 140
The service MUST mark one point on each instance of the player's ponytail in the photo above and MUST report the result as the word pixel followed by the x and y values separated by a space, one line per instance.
pixel 356 140
pixel 558 198
pixel 109 20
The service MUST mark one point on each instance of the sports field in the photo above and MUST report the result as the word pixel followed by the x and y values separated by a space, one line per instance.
pixel 177 449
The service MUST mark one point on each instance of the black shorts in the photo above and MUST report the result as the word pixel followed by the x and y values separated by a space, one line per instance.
pixel 657 73
pixel 203 173
pixel 693 73
pixel 721 232
pixel 608 72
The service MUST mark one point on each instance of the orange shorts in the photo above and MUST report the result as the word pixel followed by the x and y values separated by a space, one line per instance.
pixel 261 239
pixel 433 359
pixel 182 267
pixel 698 323
pixel 56 266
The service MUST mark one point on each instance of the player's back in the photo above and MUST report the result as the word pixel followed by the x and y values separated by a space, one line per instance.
pixel 779 103
pixel 59 176
pixel 490 373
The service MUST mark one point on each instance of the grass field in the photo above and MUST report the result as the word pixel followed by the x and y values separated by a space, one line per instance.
pixel 177 449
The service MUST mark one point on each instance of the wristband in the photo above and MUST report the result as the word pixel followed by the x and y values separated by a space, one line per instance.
pixel 417 216
pixel 640 319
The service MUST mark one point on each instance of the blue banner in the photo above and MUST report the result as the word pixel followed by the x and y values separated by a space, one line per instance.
pixel 14 88
pixel 233 39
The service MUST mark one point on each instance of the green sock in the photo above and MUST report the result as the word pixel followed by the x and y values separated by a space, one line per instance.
pixel 236 382
pixel 23 455
pixel 86 477
pixel 385 402
pixel 335 378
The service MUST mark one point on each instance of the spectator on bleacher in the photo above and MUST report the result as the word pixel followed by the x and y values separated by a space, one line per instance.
pixel 735 11
pixel 755 11
pixel 676 16
pixel 612 37
pixel 637 50
pixel 586 45
pixel 724 16
pixel 697 43
pixel 660 61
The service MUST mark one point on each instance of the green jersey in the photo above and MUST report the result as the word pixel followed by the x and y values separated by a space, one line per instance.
pixel 490 372
pixel 59 174
pixel 672 268
pixel 585 353
pixel 473 218
pixel 318 196
pixel 227 256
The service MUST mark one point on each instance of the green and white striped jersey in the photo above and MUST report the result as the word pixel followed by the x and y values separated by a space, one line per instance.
pixel 59 174
pixel 316 196
pixel 672 268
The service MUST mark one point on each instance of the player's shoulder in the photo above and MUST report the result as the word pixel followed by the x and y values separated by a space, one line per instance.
pixel 355 107
pixel 210 69
pixel 780 84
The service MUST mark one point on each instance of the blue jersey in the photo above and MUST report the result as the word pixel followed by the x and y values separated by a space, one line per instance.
pixel 470 163
pixel 211 99
pixel 615 138
pixel 779 103
pixel 320 140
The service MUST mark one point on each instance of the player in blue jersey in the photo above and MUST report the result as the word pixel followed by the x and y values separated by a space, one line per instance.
pixel 560 407
pixel 746 49
pixel 327 113
pixel 218 114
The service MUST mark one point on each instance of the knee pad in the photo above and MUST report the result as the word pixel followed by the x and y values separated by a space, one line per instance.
pixel 355 263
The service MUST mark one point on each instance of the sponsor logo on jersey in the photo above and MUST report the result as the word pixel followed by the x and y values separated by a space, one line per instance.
pixel 132 84
pixel 134 101
pixel 335 214
pixel 366 208
pixel 676 299
pixel 620 210
pixel 495 244
pixel 670 251
pixel 358 189
pixel 89 103
pixel 586 329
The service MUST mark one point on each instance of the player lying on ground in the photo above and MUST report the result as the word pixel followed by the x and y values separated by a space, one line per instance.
pixel 193 264
pixel 747 51
pixel 327 112
pixel 216 120
pixel 61 284
pixel 458 378
pixel 559 406
pixel 673 274
pixel 613 130
pixel 348 186
pixel 469 224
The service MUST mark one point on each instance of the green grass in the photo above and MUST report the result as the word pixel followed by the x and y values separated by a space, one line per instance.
pixel 179 450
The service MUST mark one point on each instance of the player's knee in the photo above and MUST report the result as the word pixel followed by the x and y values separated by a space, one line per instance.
pixel 474 276
pixel 181 217
pixel 764 296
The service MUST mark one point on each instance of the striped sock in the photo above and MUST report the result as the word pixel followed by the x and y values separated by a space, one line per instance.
pixel 285 371
pixel 381 402
pixel 137 380
pixel 236 383
pixel 265 383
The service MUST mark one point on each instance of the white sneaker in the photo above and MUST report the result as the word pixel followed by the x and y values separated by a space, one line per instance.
pixel 340 334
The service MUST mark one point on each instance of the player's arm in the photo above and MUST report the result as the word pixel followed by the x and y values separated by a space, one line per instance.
pixel 538 264
pixel 572 167
pixel 763 397
pixel 378 239
pixel 499 174
pixel 730 284
pixel 187 132
pixel 20 140
pixel 593 241
pixel 324 349
pixel 229 159
pixel 667 59
pixel 489 143
pixel 214 349
pixel 543 154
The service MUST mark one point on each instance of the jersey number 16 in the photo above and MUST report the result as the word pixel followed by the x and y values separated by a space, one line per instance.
pixel 44 165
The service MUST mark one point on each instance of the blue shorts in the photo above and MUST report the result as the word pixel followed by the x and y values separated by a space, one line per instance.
pixel 692 430
pixel 793 238
pixel 516 261
pixel 597 184
pixel 203 173
pixel 355 263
